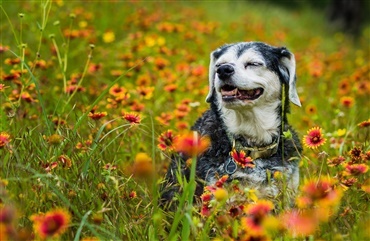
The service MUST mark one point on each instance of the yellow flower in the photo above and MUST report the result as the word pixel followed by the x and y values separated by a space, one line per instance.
pixel 341 132
pixel 109 37
pixel 220 194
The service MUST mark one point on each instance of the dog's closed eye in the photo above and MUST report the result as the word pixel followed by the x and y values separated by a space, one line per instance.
pixel 252 64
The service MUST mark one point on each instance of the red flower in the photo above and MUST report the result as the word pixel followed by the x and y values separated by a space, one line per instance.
pixel 364 124
pixel 97 115
pixel 52 224
pixel 133 118
pixel 321 193
pixel 4 139
pixel 299 224
pixel 220 182
pixel 242 159
pixel 356 169
pixel 166 140
pixel 191 144
pixel 314 138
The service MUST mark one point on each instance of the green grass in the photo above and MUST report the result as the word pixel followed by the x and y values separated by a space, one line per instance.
pixel 57 155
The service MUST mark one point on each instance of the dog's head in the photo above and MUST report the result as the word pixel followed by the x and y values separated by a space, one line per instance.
pixel 250 74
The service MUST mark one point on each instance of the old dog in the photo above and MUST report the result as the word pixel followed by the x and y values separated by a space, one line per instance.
pixel 250 87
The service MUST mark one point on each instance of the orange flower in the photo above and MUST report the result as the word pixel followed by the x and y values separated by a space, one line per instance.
pixel 355 169
pixel 257 212
pixel 133 118
pixel 145 92
pixel 52 224
pixel 347 101
pixel 321 193
pixel 336 161
pixel 299 223
pixel 314 138
pixel 4 139
pixel 242 159
pixel 143 166
pixel 191 144
pixel 166 140
pixel 97 115
pixel 364 124
pixel 116 90
pixel 220 182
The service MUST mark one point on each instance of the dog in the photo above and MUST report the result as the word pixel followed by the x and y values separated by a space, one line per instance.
pixel 250 86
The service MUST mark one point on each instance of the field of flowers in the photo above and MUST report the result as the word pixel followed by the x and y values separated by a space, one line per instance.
pixel 94 97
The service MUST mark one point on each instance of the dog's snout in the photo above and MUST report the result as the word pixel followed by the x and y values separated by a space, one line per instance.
pixel 225 71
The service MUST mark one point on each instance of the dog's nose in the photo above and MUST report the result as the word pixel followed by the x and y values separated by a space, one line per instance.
pixel 225 71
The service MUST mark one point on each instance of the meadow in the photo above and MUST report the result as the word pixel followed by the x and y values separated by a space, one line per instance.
pixel 94 94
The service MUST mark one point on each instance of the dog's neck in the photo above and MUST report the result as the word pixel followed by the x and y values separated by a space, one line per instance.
pixel 258 125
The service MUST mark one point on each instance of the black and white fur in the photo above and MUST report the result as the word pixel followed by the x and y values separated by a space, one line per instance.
pixel 246 83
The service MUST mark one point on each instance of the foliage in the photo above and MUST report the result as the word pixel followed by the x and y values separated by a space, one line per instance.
pixel 93 95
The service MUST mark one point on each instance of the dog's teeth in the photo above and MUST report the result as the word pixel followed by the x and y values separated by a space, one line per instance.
pixel 233 92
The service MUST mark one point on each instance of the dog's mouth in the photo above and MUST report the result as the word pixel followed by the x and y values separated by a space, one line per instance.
pixel 229 93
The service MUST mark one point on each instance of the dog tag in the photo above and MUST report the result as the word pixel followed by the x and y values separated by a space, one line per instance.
pixel 230 166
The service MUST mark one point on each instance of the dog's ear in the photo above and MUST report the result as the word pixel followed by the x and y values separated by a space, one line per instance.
pixel 211 77
pixel 287 61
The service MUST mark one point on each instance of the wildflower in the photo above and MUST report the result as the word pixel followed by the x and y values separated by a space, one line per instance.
pixel 170 88
pixel 366 186
pixel 132 195
pixel 160 63
pixel 191 144
pixel 321 193
pixel 55 139
pixel 336 161
pixel 133 118
pixel 182 125
pixel 65 160
pixel 90 239
pixel 145 92
pixel 299 223
pixel 341 132
pixel 355 169
pixel 4 139
pixel 314 138
pixel 117 90
pixel 220 194
pixel 94 67
pixel 52 224
pixel 143 165
pixel 166 140
pixel 110 167
pixel 164 118
pixel 49 166
pixel 220 182
pixel 7 214
pixel 242 159
pixel 257 212
pixel 97 115
pixel 97 218
pixel 344 87
pixel 205 210
pixel 311 109
pixel 236 211
pixel 3 48
pixel 364 124
pixel 206 197
pixel 347 101
pixel 356 154
pixel 3 87
pixel 109 37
